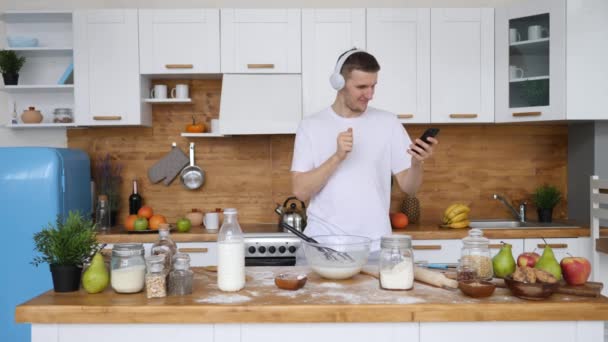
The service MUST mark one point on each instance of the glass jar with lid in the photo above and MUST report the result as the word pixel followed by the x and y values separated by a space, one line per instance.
pixel 180 278
pixel 476 255
pixel 165 245
pixel 63 115
pixel 128 267
pixel 396 262
pixel 156 278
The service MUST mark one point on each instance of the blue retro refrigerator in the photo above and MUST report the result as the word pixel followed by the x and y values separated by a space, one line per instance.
pixel 36 185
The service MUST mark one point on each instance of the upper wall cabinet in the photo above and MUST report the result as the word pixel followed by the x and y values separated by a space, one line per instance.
pixel 326 34
pixel 530 61
pixel 261 40
pixel 108 88
pixel 462 65
pixel 400 39
pixel 587 59
pixel 179 41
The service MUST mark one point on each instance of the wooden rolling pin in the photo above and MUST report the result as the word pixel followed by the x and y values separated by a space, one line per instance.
pixel 420 274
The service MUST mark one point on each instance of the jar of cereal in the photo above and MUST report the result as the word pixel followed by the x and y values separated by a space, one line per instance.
pixel 476 255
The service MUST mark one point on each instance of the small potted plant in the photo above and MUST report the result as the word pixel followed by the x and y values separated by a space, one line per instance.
pixel 108 180
pixel 10 65
pixel 546 198
pixel 66 247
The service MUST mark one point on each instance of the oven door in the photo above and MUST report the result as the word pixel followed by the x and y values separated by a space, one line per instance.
pixel 270 261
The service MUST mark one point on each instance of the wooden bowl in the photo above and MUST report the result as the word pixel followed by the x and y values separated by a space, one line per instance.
pixel 530 291
pixel 290 281
pixel 476 288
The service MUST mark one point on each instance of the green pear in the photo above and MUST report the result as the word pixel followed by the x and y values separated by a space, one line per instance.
pixel 503 263
pixel 547 262
pixel 96 278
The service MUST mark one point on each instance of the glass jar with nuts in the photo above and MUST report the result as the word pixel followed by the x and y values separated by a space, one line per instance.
pixel 156 278
pixel 476 255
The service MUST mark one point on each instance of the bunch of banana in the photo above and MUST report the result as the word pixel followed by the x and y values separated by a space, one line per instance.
pixel 456 216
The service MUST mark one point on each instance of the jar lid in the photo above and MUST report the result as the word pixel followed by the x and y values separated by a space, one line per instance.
pixel 181 261
pixel 475 239
pixel 396 241
pixel 128 249
pixel 156 263
pixel 228 211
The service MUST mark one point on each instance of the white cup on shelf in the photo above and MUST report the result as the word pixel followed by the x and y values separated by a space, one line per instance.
pixel 215 125
pixel 211 221
pixel 536 32
pixel 159 92
pixel 515 72
pixel 514 35
pixel 180 91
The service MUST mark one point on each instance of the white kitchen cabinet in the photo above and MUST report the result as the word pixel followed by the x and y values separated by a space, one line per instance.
pixel 179 41
pixel 261 40
pixel 400 39
pixel 39 83
pixel 108 88
pixel 531 61
pixel 201 253
pixel 326 34
pixel 437 251
pixel 462 65
pixel 586 57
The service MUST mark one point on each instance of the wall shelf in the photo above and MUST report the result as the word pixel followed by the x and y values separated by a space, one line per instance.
pixel 41 125
pixel 168 101
pixel 204 135
pixel 35 87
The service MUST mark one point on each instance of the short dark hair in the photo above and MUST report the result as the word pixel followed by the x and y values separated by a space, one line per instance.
pixel 362 61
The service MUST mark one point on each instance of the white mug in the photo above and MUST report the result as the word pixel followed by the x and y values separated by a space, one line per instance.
pixel 159 92
pixel 514 35
pixel 215 125
pixel 535 32
pixel 180 91
pixel 211 221
pixel 515 72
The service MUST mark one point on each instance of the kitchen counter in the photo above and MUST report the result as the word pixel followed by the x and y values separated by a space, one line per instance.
pixel 422 231
pixel 263 310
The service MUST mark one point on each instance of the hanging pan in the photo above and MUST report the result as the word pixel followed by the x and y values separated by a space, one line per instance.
pixel 192 176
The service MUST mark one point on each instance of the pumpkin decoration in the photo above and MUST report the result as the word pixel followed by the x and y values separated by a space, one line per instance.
pixel 195 127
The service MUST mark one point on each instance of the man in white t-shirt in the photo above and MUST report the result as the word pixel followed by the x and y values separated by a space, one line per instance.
pixel 344 156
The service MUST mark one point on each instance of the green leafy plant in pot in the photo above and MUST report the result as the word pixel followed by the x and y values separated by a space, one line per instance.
pixel 546 198
pixel 66 247
pixel 108 180
pixel 10 65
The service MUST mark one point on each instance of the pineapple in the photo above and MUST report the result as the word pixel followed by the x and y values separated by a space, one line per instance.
pixel 411 208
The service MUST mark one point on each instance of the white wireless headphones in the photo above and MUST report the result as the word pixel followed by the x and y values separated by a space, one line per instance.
pixel 336 79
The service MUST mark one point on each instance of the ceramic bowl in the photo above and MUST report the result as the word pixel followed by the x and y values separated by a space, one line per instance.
pixel 19 41
pixel 476 288
pixel 531 291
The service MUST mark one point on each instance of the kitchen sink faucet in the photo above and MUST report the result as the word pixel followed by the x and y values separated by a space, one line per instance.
pixel 521 216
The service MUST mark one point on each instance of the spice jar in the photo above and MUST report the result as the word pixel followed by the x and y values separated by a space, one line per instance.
pixel 62 115
pixel 476 255
pixel 396 262
pixel 180 279
pixel 128 267
pixel 156 278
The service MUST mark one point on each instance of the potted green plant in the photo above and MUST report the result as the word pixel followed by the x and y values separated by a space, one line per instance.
pixel 108 180
pixel 546 198
pixel 10 65
pixel 66 247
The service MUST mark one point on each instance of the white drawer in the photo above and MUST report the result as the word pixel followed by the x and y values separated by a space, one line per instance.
pixel 437 251
pixel 201 253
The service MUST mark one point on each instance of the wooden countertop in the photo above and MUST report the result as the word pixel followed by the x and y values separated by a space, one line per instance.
pixel 422 231
pixel 355 300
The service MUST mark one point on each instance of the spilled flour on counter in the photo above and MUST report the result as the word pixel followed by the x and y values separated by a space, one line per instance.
pixel 225 299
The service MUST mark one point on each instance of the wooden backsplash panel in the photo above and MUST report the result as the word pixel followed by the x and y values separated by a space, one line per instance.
pixel 252 174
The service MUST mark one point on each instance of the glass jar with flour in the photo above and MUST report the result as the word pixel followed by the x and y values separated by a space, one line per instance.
pixel 396 262
pixel 128 267
pixel 231 254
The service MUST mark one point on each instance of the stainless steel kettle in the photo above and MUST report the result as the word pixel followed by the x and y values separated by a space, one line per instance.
pixel 292 215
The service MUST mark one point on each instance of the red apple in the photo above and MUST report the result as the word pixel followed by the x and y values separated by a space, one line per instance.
pixel 576 270
pixel 527 259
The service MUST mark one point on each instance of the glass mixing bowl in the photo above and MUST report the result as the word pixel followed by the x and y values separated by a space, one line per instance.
pixel 337 256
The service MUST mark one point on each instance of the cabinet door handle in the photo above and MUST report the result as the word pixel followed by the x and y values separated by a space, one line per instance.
pixel 260 66
pixel 427 247
pixel 107 118
pixel 521 114
pixel 405 116
pixel 553 245
pixel 495 245
pixel 179 66
pixel 463 116
pixel 193 250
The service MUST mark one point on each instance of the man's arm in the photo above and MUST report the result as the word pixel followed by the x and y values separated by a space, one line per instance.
pixel 410 180
pixel 306 184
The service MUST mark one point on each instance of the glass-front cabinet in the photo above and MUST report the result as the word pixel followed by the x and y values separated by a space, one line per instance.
pixel 531 61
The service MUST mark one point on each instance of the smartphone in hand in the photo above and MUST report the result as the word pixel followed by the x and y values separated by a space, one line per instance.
pixel 431 132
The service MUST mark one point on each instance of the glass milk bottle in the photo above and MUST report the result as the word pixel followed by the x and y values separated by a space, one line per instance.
pixel 231 254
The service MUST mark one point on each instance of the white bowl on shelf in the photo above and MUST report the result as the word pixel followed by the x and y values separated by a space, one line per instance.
pixel 21 41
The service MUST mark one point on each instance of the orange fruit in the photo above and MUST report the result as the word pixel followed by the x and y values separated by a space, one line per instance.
pixel 130 222
pixel 145 211
pixel 156 220
pixel 399 220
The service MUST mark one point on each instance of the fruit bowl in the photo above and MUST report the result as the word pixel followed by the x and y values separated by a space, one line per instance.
pixel 337 256
pixel 530 291
pixel 476 288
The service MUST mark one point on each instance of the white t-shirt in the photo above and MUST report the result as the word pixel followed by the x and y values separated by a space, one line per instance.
pixel 356 198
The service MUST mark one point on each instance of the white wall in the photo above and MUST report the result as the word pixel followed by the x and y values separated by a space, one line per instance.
pixel 57 136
